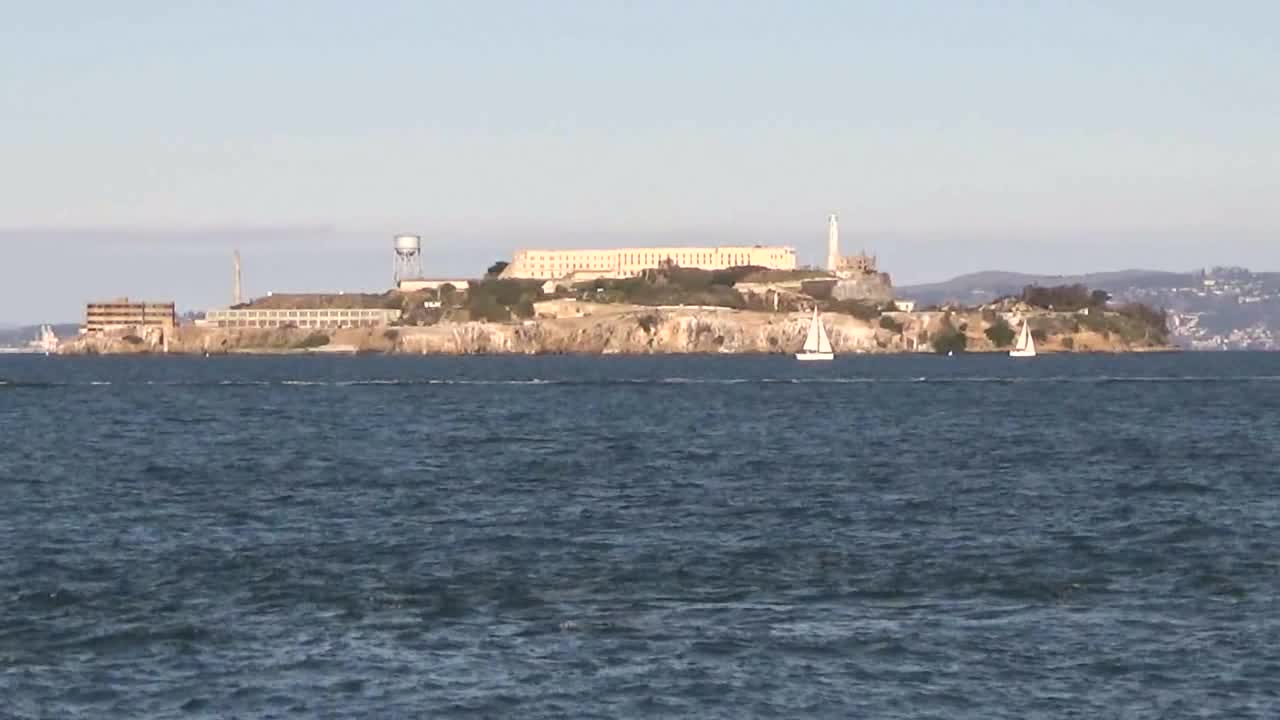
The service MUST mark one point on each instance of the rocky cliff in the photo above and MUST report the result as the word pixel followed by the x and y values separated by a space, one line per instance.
pixel 611 329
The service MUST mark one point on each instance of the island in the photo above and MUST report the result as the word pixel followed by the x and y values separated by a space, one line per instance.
pixel 665 310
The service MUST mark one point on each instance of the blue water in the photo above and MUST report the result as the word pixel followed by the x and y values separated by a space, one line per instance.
pixel 727 537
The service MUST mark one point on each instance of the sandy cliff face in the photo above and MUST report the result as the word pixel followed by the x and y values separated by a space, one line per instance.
pixel 642 332
pixel 606 330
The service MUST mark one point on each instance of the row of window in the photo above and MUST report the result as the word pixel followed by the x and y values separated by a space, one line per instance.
pixel 299 323
pixel 235 315
pixel 100 307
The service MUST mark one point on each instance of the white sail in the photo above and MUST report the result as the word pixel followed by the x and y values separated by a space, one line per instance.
pixel 817 346
pixel 813 342
pixel 824 342
pixel 1026 344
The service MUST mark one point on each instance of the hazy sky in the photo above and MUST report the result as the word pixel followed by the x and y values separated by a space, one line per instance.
pixel 140 142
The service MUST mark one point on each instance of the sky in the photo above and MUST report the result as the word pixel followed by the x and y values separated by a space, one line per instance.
pixel 141 142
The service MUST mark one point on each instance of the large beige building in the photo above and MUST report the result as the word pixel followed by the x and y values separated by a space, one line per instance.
pixel 631 262
pixel 302 318
pixel 123 313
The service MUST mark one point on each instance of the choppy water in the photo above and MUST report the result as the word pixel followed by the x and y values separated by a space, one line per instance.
pixel 720 537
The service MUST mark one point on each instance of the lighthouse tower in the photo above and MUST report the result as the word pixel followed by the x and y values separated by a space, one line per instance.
pixel 833 242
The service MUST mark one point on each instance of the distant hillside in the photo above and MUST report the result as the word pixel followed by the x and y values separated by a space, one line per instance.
pixel 987 286
pixel 1221 308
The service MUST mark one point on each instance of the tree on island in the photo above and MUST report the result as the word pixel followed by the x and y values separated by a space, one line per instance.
pixel 497 269
pixel 1064 298
pixel 1000 333
pixel 949 340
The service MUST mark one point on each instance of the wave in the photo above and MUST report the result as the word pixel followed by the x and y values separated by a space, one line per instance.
pixel 392 382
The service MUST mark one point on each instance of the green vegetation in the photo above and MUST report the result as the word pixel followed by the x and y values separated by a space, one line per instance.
pixel 669 285
pixel 782 276
pixel 1134 323
pixel 949 340
pixel 1151 319
pixel 889 323
pixel 864 311
pixel 1000 333
pixel 1064 298
pixel 494 300
pixel 497 269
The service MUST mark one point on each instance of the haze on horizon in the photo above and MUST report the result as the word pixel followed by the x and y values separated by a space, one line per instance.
pixel 141 142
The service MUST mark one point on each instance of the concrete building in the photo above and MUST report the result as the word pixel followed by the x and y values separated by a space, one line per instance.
pixel 124 314
pixel 302 318
pixel 631 262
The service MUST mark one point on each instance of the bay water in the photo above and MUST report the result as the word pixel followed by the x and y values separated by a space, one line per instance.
pixel 715 537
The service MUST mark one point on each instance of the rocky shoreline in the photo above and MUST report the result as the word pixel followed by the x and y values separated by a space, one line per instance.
pixel 626 330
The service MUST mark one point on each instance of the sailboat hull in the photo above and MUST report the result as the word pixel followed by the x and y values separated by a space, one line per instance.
pixel 1022 353
pixel 810 357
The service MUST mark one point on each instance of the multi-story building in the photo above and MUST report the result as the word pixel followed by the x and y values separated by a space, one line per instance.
pixel 122 313
pixel 632 262
pixel 301 317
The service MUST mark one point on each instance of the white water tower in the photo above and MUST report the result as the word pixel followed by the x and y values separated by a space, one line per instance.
pixel 408 261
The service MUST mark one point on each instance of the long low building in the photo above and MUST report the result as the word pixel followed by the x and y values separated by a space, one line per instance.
pixel 632 262
pixel 124 314
pixel 302 318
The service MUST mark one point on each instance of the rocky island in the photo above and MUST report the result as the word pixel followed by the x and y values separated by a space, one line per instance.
pixel 669 310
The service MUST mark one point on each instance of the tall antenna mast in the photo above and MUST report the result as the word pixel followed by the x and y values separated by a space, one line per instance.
pixel 237 298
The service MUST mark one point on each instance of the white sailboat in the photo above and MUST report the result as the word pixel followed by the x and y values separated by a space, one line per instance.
pixel 817 346
pixel 1025 346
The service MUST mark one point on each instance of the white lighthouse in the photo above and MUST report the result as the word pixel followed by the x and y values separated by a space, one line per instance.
pixel 833 242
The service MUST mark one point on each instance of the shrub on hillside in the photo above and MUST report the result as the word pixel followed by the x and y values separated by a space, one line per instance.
pixel 486 308
pixel 857 308
pixel 1000 333
pixel 949 340
pixel 667 286
pixel 1151 318
pixel 1063 298
pixel 889 323
pixel 498 300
